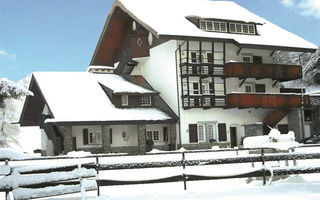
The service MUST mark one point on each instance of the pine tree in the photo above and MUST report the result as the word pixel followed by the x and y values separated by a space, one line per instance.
pixel 10 93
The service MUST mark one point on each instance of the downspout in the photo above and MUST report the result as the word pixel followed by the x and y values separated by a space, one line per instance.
pixel 302 103
pixel 178 98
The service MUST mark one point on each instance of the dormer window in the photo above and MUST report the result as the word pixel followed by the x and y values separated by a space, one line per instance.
pixel 208 25
pixel 124 100
pixel 242 28
pixel 146 100
pixel 221 26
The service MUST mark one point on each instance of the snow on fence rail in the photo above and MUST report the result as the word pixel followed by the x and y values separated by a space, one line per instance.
pixel 61 179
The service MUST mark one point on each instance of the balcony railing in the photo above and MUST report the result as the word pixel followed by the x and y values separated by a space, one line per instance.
pixel 251 100
pixel 205 101
pixel 202 70
pixel 251 70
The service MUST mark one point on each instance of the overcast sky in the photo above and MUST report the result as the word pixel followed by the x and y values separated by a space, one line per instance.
pixel 61 35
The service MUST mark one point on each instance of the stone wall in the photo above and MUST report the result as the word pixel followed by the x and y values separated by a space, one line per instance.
pixel 141 138
pixel 294 123
pixel 205 145
pixel 106 139
pixel 67 139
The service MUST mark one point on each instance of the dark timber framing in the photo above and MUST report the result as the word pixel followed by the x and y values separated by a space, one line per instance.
pixel 201 69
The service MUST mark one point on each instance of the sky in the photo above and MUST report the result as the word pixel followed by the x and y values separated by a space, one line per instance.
pixel 61 35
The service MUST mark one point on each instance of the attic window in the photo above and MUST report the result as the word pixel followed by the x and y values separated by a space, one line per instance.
pixel 208 25
pixel 242 28
pixel 146 100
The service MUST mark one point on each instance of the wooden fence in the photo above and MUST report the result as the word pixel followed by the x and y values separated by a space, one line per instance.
pixel 69 177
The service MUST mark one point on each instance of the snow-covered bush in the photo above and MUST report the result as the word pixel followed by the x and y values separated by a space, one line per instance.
pixel 10 106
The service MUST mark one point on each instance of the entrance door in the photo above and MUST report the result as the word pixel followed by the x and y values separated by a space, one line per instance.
pixel 233 136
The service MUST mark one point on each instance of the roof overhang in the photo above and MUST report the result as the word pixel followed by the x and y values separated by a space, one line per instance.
pixel 127 122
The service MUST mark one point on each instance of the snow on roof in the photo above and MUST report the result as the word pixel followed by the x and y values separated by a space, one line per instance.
pixel 168 17
pixel 99 67
pixel 119 85
pixel 77 96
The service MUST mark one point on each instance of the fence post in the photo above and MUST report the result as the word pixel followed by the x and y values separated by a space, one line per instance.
pixel 263 167
pixel 97 178
pixel 7 191
pixel 184 171
pixel 294 160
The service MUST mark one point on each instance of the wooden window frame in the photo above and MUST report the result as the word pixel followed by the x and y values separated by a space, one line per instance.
pixel 124 100
pixel 211 134
pixel 146 100
pixel 201 130
pixel 153 135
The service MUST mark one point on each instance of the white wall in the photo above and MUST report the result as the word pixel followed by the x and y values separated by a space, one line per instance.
pixel 131 138
pixel 46 144
pixel 160 71
pixel 77 131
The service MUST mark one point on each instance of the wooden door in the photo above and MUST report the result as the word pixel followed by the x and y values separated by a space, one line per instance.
pixel 233 136
pixel 193 133
pixel 222 132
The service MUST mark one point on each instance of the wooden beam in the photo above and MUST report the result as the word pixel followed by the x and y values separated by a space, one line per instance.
pixel 272 53
pixel 242 82
pixel 275 83
pixel 239 51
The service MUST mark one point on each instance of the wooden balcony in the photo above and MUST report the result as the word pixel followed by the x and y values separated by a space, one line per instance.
pixel 251 100
pixel 259 71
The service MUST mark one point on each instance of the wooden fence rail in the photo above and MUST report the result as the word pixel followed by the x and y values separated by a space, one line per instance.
pixel 183 162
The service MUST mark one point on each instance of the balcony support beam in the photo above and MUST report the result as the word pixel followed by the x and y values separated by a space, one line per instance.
pixel 238 52
pixel 275 83
pixel 242 82
pixel 271 54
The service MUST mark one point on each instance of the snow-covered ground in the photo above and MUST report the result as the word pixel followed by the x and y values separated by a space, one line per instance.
pixel 294 187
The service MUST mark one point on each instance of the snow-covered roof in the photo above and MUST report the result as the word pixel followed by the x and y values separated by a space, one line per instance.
pixel 168 17
pixel 119 85
pixel 78 97
pixel 93 67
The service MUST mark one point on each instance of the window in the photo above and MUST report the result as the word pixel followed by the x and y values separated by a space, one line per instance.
pixel 238 28
pixel 203 25
pixel 195 88
pixel 210 131
pixel 156 135
pixel 216 26
pixel 246 59
pixel 209 58
pixel 208 25
pixel 232 27
pixel 124 100
pixel 206 101
pixel 252 29
pixel 248 88
pixel 146 100
pixel 153 135
pixel 245 28
pixel 242 28
pixel 193 57
pixel 90 138
pixel 201 132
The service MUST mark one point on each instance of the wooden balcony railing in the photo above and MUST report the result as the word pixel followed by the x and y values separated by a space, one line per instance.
pixel 251 100
pixel 251 70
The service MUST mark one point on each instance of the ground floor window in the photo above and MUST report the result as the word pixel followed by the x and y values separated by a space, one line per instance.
pixel 153 135
pixel 201 132
pixel 211 131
